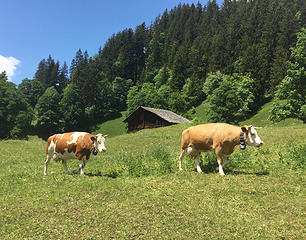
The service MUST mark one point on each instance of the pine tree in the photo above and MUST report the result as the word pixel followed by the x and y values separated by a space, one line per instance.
pixel 32 90
pixel 48 72
pixel 63 79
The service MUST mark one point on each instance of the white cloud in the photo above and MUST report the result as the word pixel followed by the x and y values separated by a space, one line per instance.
pixel 9 65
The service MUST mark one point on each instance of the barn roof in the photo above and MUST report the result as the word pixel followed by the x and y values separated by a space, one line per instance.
pixel 167 115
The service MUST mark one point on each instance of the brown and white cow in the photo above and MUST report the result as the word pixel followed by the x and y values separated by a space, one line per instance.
pixel 79 145
pixel 220 137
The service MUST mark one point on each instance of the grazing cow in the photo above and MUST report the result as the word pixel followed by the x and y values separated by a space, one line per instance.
pixel 62 147
pixel 220 137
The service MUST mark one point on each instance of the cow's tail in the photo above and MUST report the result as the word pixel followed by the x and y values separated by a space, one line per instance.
pixel 184 145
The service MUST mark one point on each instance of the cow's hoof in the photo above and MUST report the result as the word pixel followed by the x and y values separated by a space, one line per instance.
pixel 76 171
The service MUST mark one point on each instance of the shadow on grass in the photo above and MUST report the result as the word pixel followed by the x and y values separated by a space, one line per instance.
pixel 211 167
pixel 99 174
pixel 233 172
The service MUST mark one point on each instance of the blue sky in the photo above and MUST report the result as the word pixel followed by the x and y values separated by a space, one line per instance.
pixel 33 29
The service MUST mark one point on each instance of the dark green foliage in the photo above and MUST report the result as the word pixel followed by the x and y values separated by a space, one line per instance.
pixel 146 96
pixel 105 99
pixel 120 89
pixel 32 90
pixel 163 77
pixel 212 82
pixel 179 74
pixel 291 93
pixel 16 113
pixel 49 73
pixel 48 118
pixel 71 108
pixel 177 103
pixel 178 61
pixel 233 100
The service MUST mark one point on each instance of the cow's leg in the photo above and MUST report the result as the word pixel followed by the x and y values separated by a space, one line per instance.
pixel 46 165
pixel 196 160
pixel 82 165
pixel 180 159
pixel 64 162
pixel 219 160
pixel 224 162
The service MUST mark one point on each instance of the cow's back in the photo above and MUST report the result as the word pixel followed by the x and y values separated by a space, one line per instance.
pixel 205 137
pixel 69 145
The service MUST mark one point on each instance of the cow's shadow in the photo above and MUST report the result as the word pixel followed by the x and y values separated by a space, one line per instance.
pixel 95 174
pixel 233 172
pixel 99 174
pixel 211 167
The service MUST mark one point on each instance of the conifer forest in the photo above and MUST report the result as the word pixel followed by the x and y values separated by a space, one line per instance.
pixel 234 57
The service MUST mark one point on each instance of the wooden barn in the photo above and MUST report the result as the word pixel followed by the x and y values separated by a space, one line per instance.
pixel 145 117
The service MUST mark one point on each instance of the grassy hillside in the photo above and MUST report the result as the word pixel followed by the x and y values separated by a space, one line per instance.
pixel 112 127
pixel 261 119
pixel 135 191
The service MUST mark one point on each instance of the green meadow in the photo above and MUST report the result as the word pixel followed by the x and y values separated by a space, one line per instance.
pixel 135 191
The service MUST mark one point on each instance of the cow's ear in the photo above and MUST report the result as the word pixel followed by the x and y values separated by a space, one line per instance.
pixel 244 129
pixel 104 136
pixel 93 139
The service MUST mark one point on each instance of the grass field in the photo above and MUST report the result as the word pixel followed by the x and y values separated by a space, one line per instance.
pixel 135 191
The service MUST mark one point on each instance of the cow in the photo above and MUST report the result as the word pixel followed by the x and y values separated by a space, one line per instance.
pixel 79 145
pixel 220 137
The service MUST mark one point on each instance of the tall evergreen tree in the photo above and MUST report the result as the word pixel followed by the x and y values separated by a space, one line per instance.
pixel 63 79
pixel 32 90
pixel 50 74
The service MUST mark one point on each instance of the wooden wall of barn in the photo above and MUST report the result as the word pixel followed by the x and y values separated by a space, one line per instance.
pixel 143 119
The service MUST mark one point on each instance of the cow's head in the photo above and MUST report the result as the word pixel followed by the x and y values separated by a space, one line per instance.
pixel 251 136
pixel 99 142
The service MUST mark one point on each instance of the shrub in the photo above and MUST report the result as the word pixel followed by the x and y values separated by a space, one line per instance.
pixel 233 100
pixel 291 93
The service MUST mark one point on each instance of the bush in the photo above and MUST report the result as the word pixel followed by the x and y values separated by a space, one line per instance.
pixel 291 93
pixel 233 100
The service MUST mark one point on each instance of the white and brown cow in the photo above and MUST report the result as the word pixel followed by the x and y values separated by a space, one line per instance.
pixel 79 145
pixel 220 137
